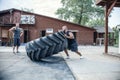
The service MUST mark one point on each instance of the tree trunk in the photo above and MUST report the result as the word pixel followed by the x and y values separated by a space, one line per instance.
pixel 81 12
pixel 80 19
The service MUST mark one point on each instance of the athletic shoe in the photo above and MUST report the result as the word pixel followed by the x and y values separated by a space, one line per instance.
pixel 67 57
pixel 17 52
pixel 81 57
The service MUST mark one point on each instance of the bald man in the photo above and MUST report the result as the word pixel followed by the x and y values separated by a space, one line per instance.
pixel 72 44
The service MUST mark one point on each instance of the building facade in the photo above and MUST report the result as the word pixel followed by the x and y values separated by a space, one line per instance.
pixel 35 26
pixel 100 34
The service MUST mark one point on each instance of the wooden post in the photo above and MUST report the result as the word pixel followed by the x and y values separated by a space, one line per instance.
pixel 108 8
pixel 106 28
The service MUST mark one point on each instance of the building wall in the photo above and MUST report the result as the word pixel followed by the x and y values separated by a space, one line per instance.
pixel 5 18
pixel 16 17
pixel 0 32
pixel 83 35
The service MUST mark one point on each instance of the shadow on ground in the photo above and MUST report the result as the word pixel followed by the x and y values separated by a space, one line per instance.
pixel 20 67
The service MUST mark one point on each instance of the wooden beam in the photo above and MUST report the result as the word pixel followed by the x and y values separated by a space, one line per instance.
pixel 111 7
pixel 106 27
pixel 98 1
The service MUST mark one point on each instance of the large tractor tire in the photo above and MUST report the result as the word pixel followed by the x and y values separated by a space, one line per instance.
pixel 46 46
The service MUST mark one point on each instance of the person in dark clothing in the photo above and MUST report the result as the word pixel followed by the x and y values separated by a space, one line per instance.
pixel 72 44
pixel 17 33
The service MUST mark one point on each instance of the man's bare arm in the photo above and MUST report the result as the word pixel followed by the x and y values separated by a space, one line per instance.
pixel 11 29
pixel 71 36
pixel 21 33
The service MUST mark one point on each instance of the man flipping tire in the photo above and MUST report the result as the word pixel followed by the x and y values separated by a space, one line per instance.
pixel 72 44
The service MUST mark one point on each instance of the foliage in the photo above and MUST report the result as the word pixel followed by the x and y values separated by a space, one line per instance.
pixel 116 35
pixel 83 12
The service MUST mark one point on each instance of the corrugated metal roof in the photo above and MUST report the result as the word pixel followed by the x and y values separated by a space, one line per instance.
pixel 102 29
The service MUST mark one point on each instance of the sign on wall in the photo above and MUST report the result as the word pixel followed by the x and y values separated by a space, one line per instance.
pixel 27 19
pixel 49 30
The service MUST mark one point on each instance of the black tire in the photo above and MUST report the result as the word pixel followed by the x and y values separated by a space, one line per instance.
pixel 46 46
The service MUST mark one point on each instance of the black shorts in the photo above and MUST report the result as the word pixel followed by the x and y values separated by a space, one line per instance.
pixel 73 47
pixel 16 42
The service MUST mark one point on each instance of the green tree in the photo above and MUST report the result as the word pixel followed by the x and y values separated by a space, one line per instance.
pixel 80 11
pixel 97 18
pixel 116 34
pixel 96 22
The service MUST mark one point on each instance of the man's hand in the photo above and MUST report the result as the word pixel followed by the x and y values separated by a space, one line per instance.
pixel 65 35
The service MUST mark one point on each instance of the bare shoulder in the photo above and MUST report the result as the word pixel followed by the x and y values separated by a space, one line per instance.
pixel 13 27
pixel 70 32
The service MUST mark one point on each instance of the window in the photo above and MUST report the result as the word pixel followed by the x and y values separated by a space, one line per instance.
pixel 4 33
pixel 27 19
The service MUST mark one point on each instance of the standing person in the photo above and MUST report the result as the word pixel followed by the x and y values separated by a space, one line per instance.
pixel 17 33
pixel 72 44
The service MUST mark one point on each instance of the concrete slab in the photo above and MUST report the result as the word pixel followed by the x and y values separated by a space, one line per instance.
pixel 95 65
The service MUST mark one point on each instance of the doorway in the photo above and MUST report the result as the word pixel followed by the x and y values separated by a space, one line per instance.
pixel 26 37
pixel 74 33
pixel 95 37
pixel 43 33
